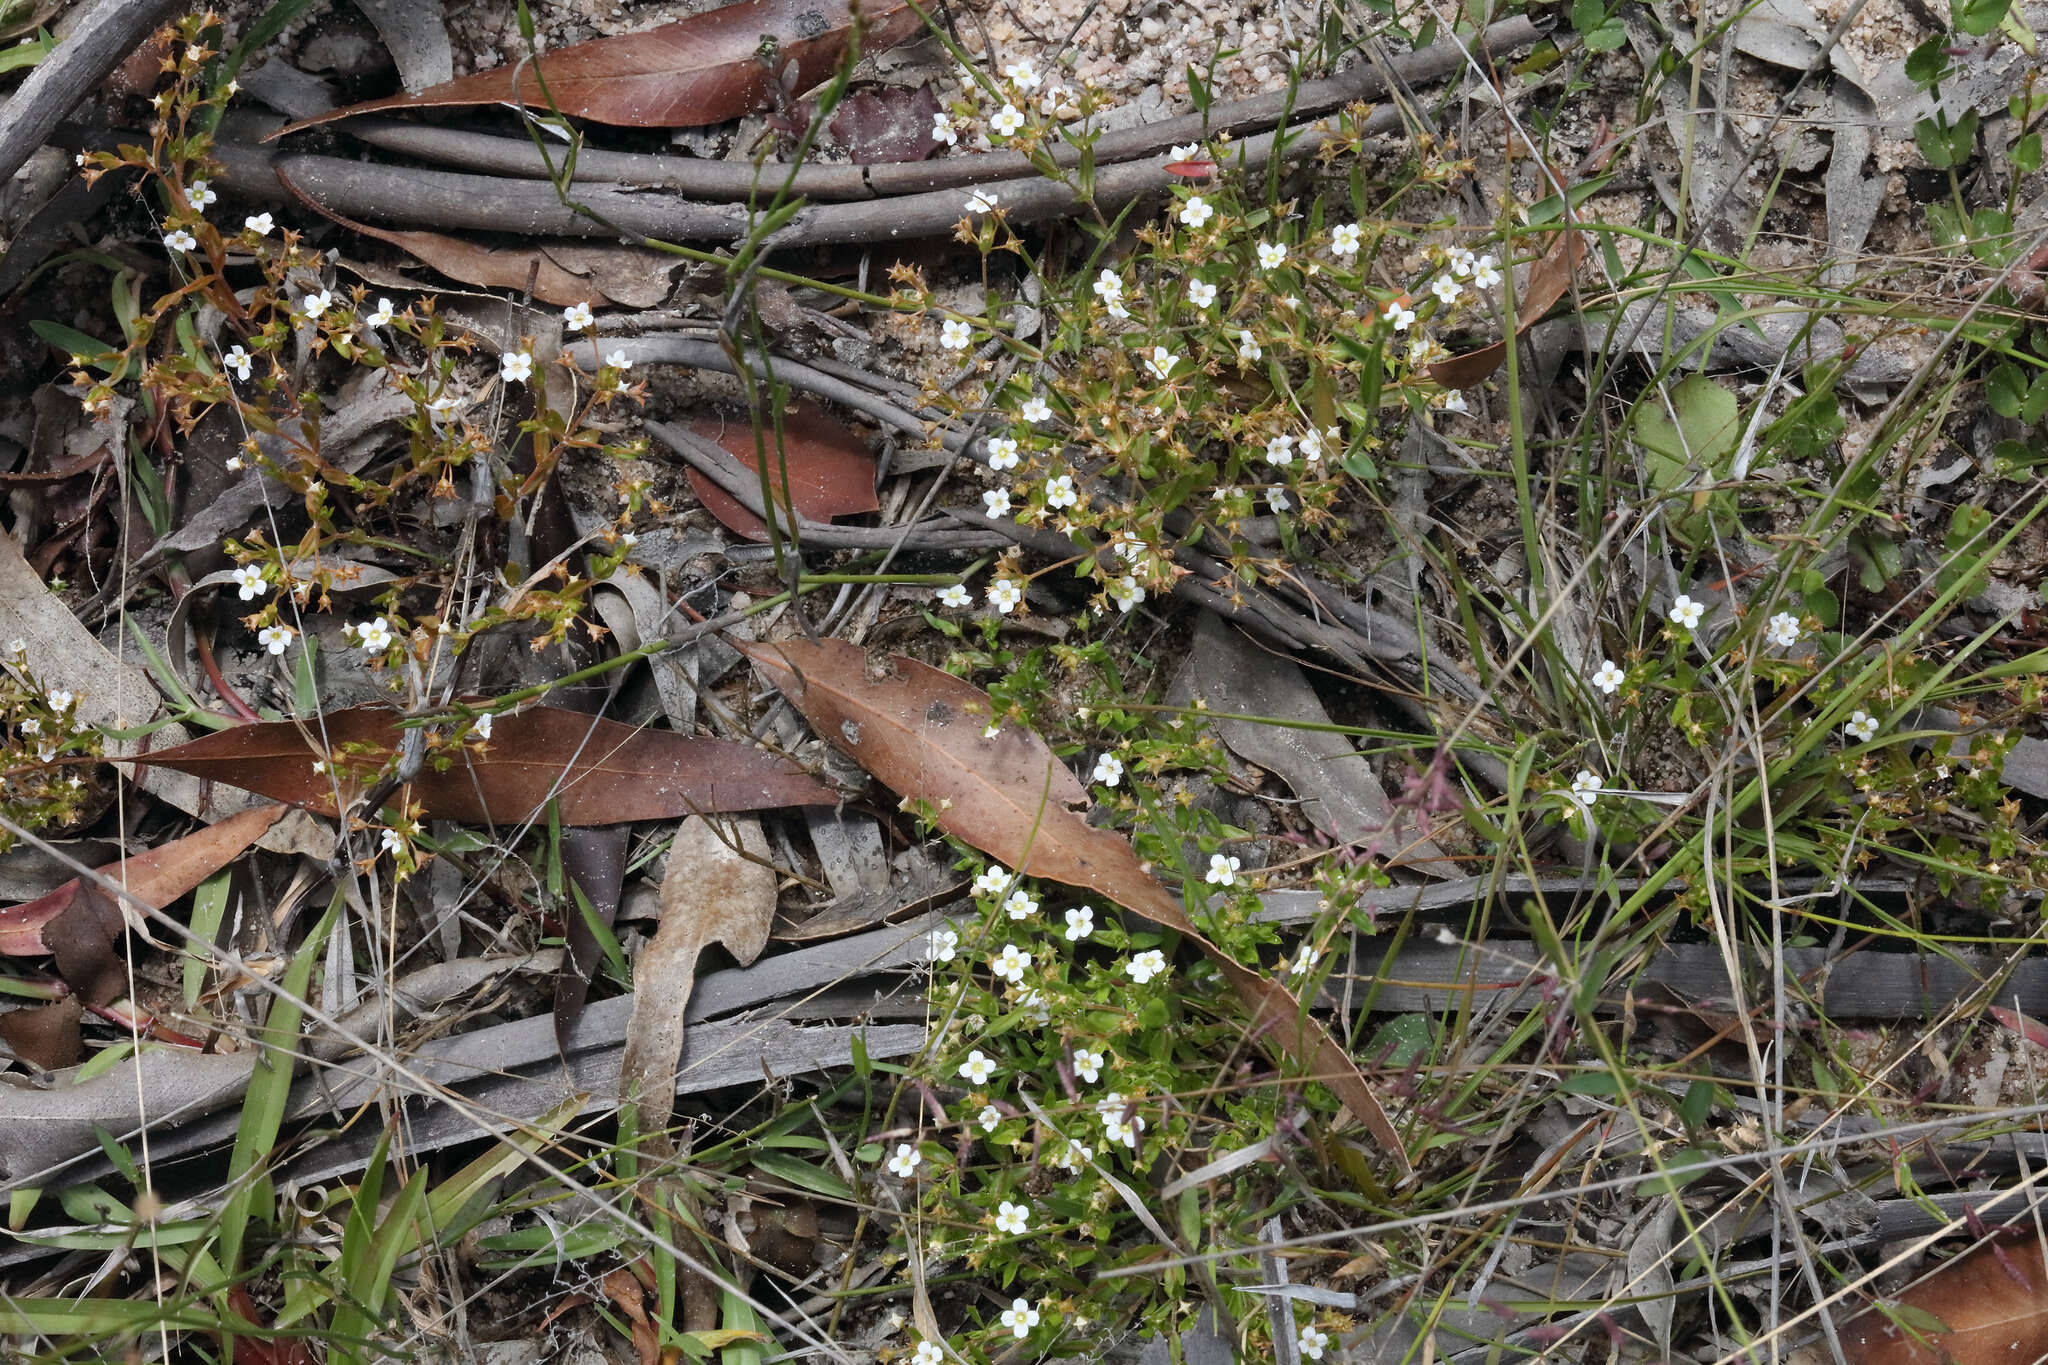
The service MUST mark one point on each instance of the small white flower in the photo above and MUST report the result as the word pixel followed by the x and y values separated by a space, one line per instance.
pixel 1011 1219
pixel 1280 451
pixel 1306 961
pixel 1312 445
pixel 1862 726
pixel 258 223
pixel 1248 346
pixel 177 239
pixel 1586 787
pixel 1115 309
pixel 905 1163
pixel 943 130
pixel 1402 318
pixel 619 360
pixel 577 317
pixel 1271 254
pixel 31 726
pixel 1109 770
pixel 1010 964
pixel 315 306
pixel 1420 350
pixel 992 882
pixel 381 315
pixel 997 501
pixel 1608 677
pixel 1035 409
pixel 375 638
pixel 233 464
pixel 1161 362
pixel 239 361
pixel 1201 293
pixel 955 595
pixel 1484 273
pixel 1022 74
pixel 927 1354
pixel 1454 401
pixel 1184 151
pixel 1344 239
pixel 1313 1341
pixel 1460 260
pixel 60 700
pixel 978 1068
pixel 1087 1065
pixel 515 366
pixel 1020 905
pixel 1060 492
pixel 955 334
pixel 199 195
pixel 1020 1317
pixel 982 201
pixel 1115 1126
pixel 1109 286
pixel 1784 630
pixel 481 726
pixel 1277 499
pixel 1007 121
pixel 444 406
pixel 1074 1155
pixel 1146 965
pixel 1126 593
pixel 1002 453
pixel 1222 870
pixel 989 1117
pixel 1686 613
pixel 249 578
pixel 17 648
pixel 1080 923
pixel 394 842
pixel 1446 289
pixel 1196 211
pixel 1004 594
pixel 941 945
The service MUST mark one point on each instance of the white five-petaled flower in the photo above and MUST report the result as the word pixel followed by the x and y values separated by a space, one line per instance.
pixel 1344 239
pixel 1007 120
pixel 1248 346
pixel 374 638
pixel 1586 787
pixel 199 195
pixel 1862 726
pixel 993 881
pixel 1271 254
pixel 1184 151
pixel 955 334
pixel 1608 677
pixel 1312 445
pixel 1485 273
pixel 1446 289
pixel 1080 922
pixel 1004 594
pixel 997 501
pixel 1109 286
pixel 249 578
pixel 1074 1155
pixel 515 366
pixel 1280 451
pixel 1222 870
pixel 1002 453
pixel 1087 1065
pixel 17 648
pixel 1686 613
pixel 1312 1341
pixel 1196 211
pixel 978 1067
pixel 1397 313
pixel 276 639
pixel 1109 770
pixel 1161 362
pixel 177 239
pixel 955 595
pixel 941 945
pixel 444 406
pixel 1115 1125
pixel 1010 964
pixel 481 726
pixel 1022 74
pixel 1128 545
pixel 233 464
pixel 381 315
pixel 258 223
pixel 238 360
pixel 577 317
pixel 906 1160
pixel 619 360
pixel 943 130
pixel 1201 293
pixel 1020 1317
pixel 60 700
pixel 1146 965
pixel 1127 593
pixel 1020 904
pixel 393 841
pixel 1034 409
pixel 1454 401
pixel 927 1354
pixel 1012 1220
pixel 31 726
pixel 1060 492
pixel 1306 961
pixel 1784 630
pixel 315 305
pixel 982 201
pixel 989 1117
pixel 1461 261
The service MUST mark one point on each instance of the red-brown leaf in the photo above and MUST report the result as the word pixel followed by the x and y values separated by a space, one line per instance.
pixel 602 772
pixel 1548 280
pixel 831 473
pixel 920 732
pixel 1992 1300
pixel 704 69
pixel 2033 1030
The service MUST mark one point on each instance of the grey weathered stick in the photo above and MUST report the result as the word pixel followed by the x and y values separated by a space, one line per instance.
pixel 96 44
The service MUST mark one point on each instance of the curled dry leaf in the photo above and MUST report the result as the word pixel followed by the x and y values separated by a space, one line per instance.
pixel 713 892
pixel 600 771
pixel 831 472
pixel 704 69
pixel 1548 280
pixel 1988 1306
pixel 920 732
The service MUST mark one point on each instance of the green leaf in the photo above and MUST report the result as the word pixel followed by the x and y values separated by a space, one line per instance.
pixel 209 907
pixel 1591 1083
pixel 2025 154
pixel 1681 1168
pixel 1932 139
pixel 1927 63
pixel 1609 37
pixel 1978 17
pixel 2005 389
pixel 1403 1039
pixel 1544 210
pixel 2036 406
pixel 802 1174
